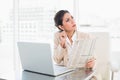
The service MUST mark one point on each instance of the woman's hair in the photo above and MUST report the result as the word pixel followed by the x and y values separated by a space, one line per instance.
pixel 59 18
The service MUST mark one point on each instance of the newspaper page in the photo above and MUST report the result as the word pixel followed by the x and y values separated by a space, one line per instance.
pixel 82 51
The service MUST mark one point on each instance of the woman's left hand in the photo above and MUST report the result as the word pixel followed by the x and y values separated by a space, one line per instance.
pixel 90 63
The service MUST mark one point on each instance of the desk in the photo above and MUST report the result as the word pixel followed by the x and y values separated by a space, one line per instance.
pixel 74 75
pixel 78 74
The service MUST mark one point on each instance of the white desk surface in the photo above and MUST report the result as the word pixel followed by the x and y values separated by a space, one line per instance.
pixel 75 75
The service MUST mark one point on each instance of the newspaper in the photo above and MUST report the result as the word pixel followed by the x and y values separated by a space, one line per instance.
pixel 82 51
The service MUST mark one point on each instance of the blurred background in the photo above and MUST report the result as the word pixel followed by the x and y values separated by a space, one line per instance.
pixel 32 20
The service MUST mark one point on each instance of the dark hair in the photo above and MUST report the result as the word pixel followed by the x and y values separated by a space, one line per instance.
pixel 59 18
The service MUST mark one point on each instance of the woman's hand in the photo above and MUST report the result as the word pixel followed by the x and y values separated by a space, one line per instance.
pixel 62 36
pixel 90 63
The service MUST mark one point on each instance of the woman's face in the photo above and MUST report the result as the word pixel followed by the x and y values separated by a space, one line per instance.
pixel 68 23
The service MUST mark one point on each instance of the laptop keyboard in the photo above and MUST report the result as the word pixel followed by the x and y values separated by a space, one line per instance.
pixel 2 79
pixel 60 68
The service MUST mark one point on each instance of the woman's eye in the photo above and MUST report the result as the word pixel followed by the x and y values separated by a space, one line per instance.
pixel 72 17
pixel 67 20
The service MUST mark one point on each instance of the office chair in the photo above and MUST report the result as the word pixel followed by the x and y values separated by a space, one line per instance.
pixel 115 63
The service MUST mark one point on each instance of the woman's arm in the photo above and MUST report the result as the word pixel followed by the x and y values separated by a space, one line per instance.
pixel 59 49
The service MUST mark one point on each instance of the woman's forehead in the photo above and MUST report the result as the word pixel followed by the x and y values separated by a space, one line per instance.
pixel 67 15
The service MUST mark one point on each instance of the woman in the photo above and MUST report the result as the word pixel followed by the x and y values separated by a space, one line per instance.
pixel 65 38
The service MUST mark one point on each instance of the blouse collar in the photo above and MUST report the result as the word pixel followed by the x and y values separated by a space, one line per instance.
pixel 74 38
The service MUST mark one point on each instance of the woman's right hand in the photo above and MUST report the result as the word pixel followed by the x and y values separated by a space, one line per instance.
pixel 63 37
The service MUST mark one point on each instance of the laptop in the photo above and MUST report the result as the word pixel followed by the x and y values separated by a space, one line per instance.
pixel 37 57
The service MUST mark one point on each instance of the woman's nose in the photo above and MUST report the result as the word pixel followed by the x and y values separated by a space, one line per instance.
pixel 73 21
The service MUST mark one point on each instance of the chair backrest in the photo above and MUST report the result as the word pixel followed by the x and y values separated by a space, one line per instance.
pixel 102 53
pixel 115 61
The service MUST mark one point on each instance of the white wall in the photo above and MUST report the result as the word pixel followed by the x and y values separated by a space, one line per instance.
pixel 106 9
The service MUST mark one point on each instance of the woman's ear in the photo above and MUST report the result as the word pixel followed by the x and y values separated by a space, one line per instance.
pixel 61 27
